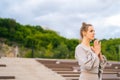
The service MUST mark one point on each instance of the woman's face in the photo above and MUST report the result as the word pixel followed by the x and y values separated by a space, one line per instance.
pixel 90 33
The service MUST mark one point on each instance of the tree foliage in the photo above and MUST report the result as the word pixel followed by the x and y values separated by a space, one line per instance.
pixel 43 43
pixel 35 41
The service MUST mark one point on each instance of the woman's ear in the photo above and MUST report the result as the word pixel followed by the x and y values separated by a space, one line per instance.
pixel 84 33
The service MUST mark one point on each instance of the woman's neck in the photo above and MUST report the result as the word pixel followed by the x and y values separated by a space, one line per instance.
pixel 86 42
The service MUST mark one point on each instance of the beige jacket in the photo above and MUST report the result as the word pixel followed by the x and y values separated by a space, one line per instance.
pixel 88 60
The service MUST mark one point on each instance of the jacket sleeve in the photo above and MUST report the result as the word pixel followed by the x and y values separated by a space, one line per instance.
pixel 103 63
pixel 85 58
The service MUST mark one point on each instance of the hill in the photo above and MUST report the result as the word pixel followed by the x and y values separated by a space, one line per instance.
pixel 35 41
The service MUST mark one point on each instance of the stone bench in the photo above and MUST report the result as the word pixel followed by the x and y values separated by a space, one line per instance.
pixel 59 65
pixel 57 62
pixel 67 72
pixel 61 69
pixel 7 77
pixel 112 70
pixel 2 65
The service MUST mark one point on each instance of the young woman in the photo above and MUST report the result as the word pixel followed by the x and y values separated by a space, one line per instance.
pixel 89 58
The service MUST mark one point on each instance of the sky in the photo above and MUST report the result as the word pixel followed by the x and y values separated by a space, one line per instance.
pixel 66 16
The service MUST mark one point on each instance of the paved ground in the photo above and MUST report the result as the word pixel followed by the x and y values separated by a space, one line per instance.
pixel 26 69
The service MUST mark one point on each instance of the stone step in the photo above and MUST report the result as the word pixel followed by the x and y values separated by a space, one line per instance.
pixel 7 77
pixel 27 69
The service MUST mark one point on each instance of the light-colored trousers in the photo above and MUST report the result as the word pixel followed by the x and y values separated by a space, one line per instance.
pixel 89 76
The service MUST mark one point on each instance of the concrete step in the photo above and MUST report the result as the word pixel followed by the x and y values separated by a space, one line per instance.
pixel 27 69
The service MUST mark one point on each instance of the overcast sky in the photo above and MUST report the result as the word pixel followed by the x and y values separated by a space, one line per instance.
pixel 66 16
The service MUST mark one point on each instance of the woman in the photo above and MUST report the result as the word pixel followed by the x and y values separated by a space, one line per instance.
pixel 89 58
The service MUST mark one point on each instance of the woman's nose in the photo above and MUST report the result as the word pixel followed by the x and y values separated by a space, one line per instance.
pixel 94 33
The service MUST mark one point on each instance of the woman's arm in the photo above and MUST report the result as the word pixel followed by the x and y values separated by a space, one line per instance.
pixel 103 61
pixel 97 50
pixel 85 58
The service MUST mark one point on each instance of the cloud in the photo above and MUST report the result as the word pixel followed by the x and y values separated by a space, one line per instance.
pixel 66 16
pixel 113 20
pixel 111 32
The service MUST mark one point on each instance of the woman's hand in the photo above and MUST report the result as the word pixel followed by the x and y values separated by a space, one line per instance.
pixel 97 47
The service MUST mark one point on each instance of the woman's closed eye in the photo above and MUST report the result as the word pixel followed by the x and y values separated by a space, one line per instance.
pixel 92 30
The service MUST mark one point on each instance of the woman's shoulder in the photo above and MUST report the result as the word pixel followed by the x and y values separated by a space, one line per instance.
pixel 81 46
pixel 80 50
pixel 78 46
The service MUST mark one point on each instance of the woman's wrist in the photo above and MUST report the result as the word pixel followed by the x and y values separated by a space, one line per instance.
pixel 98 53
pixel 100 56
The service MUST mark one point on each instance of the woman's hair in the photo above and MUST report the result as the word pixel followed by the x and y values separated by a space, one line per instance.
pixel 84 28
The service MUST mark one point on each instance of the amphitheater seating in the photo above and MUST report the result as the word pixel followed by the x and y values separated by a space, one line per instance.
pixel 70 69
pixel 6 77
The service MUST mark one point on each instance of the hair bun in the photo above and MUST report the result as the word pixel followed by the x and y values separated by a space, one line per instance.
pixel 84 24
